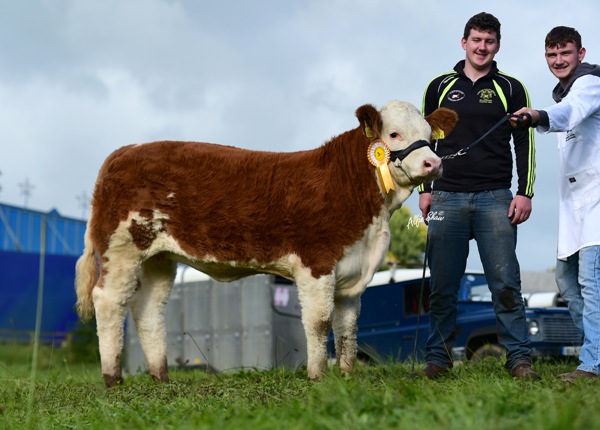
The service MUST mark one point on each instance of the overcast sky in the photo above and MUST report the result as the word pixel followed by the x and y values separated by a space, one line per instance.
pixel 80 78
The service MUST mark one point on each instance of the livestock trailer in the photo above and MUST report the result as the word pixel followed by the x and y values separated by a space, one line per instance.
pixel 250 323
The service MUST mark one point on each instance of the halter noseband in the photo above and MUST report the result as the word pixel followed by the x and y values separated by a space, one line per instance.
pixel 402 154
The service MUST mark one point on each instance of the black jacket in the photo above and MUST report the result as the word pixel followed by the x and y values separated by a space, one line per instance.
pixel 480 104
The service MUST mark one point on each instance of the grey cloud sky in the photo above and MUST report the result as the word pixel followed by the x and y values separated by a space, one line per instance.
pixel 79 79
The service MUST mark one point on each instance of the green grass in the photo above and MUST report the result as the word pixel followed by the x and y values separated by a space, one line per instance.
pixel 473 396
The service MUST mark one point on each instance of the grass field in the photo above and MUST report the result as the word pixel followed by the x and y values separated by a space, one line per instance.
pixel 473 396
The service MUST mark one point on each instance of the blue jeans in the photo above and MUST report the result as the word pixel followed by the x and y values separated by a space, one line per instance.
pixel 456 219
pixel 578 280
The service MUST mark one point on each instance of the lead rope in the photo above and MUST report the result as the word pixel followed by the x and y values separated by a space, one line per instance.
pixel 420 307
pixel 466 148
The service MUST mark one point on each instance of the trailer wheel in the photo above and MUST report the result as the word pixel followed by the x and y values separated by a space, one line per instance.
pixel 489 350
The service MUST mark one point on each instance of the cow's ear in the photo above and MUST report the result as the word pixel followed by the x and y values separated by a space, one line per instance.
pixel 442 121
pixel 370 121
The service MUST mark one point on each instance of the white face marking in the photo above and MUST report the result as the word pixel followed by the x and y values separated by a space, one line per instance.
pixel 406 120
pixel 403 124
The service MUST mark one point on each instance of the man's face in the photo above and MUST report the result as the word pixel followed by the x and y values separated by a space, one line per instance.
pixel 481 47
pixel 563 60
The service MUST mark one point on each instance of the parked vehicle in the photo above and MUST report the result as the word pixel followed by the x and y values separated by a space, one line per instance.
pixel 394 324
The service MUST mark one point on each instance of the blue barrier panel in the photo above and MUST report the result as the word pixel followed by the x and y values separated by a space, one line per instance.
pixel 19 279
pixel 20 231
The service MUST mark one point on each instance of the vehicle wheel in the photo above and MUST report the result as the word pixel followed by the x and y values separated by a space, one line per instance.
pixel 489 350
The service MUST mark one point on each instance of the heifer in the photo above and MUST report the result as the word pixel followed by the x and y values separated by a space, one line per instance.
pixel 319 217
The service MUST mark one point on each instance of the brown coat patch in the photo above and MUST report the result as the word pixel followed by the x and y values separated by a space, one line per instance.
pixel 241 205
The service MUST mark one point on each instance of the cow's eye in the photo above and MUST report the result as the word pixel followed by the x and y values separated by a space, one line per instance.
pixel 394 135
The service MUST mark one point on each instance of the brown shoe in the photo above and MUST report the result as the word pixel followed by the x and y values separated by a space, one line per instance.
pixel 576 375
pixel 431 371
pixel 524 371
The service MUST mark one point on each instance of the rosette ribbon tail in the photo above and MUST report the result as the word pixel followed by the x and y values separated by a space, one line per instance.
pixel 385 178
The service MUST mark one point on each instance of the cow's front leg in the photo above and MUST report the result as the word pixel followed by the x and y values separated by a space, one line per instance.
pixel 345 316
pixel 316 299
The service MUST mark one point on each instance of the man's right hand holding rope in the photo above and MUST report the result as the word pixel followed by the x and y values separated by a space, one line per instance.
pixel 524 118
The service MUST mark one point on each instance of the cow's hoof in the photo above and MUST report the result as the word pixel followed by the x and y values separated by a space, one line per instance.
pixel 162 377
pixel 112 380
pixel 345 374
pixel 314 376
pixel 346 369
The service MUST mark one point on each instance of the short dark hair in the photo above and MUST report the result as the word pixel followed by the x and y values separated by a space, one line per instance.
pixel 483 22
pixel 560 36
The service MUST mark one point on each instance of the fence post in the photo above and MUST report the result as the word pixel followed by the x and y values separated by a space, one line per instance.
pixel 38 317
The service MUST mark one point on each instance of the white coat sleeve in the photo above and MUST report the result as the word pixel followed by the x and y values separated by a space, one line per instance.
pixel 582 101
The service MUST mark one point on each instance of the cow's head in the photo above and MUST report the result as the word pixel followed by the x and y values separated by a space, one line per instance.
pixel 408 136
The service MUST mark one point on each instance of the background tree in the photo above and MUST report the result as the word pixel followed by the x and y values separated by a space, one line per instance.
pixel 409 234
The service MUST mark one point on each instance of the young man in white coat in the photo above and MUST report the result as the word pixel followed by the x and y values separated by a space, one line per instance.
pixel 576 120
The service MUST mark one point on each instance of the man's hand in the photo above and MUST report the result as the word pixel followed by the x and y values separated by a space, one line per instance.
pixel 520 209
pixel 425 205
pixel 516 120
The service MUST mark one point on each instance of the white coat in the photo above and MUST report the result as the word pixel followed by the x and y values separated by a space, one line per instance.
pixel 577 120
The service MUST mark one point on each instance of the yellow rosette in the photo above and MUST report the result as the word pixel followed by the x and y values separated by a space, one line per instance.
pixel 379 156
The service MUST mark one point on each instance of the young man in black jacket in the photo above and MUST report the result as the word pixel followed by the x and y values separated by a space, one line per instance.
pixel 473 199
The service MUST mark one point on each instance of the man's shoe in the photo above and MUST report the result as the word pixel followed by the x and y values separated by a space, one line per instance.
pixel 431 371
pixel 577 375
pixel 524 371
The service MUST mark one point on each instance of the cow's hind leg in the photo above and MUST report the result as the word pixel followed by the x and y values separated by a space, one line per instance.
pixel 345 316
pixel 148 310
pixel 316 299
pixel 112 295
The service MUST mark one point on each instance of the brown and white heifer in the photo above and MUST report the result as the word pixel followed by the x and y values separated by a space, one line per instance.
pixel 319 217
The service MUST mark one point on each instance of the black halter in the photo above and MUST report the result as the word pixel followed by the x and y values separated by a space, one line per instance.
pixel 402 154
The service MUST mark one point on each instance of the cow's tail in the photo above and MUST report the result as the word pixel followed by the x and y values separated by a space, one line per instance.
pixel 86 276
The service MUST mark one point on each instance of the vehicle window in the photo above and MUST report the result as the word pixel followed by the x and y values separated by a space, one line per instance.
pixel 474 286
pixel 480 293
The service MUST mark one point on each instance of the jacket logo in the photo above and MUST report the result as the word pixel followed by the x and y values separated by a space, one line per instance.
pixel 486 95
pixel 455 95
